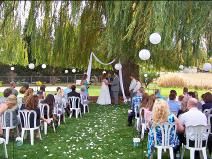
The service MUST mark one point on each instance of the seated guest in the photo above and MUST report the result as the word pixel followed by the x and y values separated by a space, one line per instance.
pixel 50 100
pixel 83 96
pixel 42 91
pixel 67 90
pixel 27 93
pixel 7 92
pixel 12 86
pixel 148 111
pixel 73 93
pixel 185 91
pixel 174 105
pixel 10 103
pixel 191 118
pixel 208 101
pixel 180 99
pixel 160 115
pixel 31 103
pixel 158 95
pixel 60 100
pixel 136 101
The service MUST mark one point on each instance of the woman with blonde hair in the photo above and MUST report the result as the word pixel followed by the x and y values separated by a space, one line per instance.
pixel 160 115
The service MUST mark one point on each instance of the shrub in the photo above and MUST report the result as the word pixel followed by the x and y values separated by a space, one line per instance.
pixel 171 81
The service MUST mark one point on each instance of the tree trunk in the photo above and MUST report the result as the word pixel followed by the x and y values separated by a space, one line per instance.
pixel 129 68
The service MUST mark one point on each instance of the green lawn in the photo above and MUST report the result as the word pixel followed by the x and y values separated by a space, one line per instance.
pixel 102 133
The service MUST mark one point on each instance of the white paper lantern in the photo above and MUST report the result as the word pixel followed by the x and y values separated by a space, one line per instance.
pixel 103 72
pixel 118 66
pixel 181 67
pixel 145 75
pixel 43 66
pixel 73 70
pixel 207 67
pixel 144 54
pixel 12 68
pixel 155 38
pixel 66 71
pixel 31 66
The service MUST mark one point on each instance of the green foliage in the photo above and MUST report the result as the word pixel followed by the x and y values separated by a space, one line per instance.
pixel 70 30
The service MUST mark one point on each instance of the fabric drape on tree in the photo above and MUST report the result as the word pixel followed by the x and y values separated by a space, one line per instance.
pixel 97 59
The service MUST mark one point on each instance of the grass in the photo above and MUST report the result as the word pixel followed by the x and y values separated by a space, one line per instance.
pixel 102 133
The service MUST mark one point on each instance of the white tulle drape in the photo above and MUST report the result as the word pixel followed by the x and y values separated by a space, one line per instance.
pixel 97 59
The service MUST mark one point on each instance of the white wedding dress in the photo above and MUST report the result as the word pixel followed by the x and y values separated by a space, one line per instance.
pixel 104 97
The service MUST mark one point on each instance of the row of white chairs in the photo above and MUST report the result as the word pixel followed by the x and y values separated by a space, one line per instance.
pixel 26 115
pixel 198 134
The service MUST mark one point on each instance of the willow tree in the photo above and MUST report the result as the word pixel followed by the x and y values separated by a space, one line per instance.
pixel 64 33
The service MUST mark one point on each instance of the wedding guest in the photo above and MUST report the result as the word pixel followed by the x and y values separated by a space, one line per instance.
pixel 10 103
pixel 42 91
pixel 174 105
pixel 27 93
pixel 208 101
pixel 6 93
pixel 136 102
pixel 158 95
pixel 12 86
pixel 160 115
pixel 85 83
pixel 50 100
pixel 67 90
pixel 137 87
pixel 31 103
pixel 73 93
pixel 148 111
pixel 191 118
pixel 185 91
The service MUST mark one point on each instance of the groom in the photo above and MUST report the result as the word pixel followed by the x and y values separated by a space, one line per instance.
pixel 115 88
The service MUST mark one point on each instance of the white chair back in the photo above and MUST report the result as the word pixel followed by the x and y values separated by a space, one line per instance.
pixel 75 102
pixel 207 112
pixel 197 134
pixel 25 116
pixel 165 129
pixel 209 122
pixel 43 107
pixel 3 119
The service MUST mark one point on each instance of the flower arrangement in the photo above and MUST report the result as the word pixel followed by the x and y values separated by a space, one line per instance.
pixel 38 83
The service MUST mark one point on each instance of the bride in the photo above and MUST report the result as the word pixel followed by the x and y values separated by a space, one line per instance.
pixel 104 97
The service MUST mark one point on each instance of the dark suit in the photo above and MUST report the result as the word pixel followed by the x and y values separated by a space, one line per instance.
pixel 73 93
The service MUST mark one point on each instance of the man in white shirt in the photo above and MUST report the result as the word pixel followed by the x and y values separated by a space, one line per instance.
pixel 193 117
pixel 132 85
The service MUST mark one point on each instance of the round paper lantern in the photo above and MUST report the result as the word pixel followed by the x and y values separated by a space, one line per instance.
pixel 155 38
pixel 66 71
pixel 207 67
pixel 73 70
pixel 12 68
pixel 104 72
pixel 144 54
pixel 145 75
pixel 43 66
pixel 31 66
pixel 181 67
pixel 118 66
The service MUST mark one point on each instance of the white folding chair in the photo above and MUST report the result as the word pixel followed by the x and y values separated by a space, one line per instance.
pixel 43 107
pixel 165 130
pixel 6 127
pixel 75 105
pixel 137 118
pixel 84 102
pixel 2 141
pixel 207 112
pixel 25 117
pixel 142 122
pixel 199 136
pixel 59 111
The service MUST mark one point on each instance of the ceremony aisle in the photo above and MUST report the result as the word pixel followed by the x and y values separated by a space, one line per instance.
pixel 103 133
